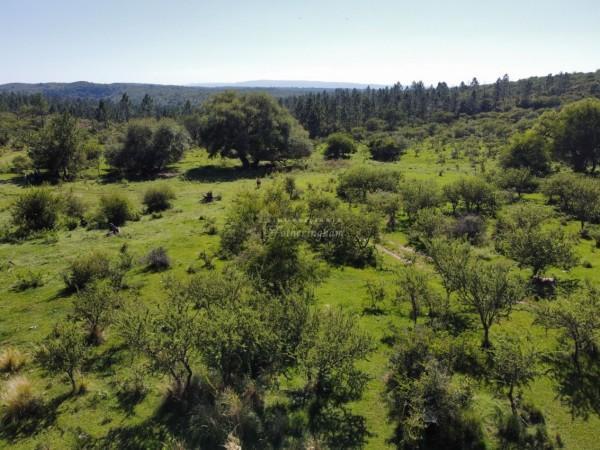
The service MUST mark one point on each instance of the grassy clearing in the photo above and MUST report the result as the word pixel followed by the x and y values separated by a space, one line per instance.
pixel 27 316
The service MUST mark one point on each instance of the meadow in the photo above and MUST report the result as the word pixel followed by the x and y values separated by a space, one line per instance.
pixel 26 317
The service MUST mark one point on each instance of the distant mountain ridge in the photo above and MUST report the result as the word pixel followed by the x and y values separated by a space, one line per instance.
pixel 161 93
pixel 303 84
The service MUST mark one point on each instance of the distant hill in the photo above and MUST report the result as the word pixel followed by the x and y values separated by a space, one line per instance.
pixel 292 84
pixel 162 94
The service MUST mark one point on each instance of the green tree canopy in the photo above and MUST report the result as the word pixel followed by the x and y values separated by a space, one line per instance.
pixel 577 137
pixel 59 151
pixel 253 128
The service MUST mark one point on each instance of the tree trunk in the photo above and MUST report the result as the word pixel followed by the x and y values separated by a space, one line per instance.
pixel 511 397
pixel 486 337
pixel 245 162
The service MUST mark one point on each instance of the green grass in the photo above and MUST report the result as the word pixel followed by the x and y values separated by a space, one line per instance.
pixel 26 317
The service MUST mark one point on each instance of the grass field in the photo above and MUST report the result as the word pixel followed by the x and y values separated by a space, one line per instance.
pixel 26 317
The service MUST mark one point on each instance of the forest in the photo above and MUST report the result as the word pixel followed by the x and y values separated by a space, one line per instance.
pixel 408 267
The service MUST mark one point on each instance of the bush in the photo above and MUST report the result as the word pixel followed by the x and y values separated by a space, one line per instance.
pixel 21 164
pixel 339 145
pixel 114 208
pixel 157 259
pixel 73 206
pixel 87 268
pixel 529 150
pixel 158 198
pixel 35 210
pixel 146 151
pixel 345 237
pixel 28 280
pixel 471 227
pixel 19 400
pixel 386 148
pixel 11 360
pixel 355 183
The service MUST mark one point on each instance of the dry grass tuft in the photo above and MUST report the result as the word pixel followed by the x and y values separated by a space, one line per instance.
pixel 12 360
pixel 19 401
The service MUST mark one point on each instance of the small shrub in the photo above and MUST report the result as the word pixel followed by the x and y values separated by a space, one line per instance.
pixel 73 206
pixel 19 401
pixel 116 209
pixel 586 264
pixel 85 269
pixel 157 259
pixel 158 198
pixel 471 227
pixel 35 210
pixel 339 145
pixel 375 297
pixel 28 280
pixel 386 148
pixel 12 360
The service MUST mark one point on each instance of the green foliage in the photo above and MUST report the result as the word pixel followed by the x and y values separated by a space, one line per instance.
pixel 490 289
pixel 28 280
pixel 386 148
pixel 330 349
pixel 339 145
pixel 257 214
pixel 429 408
pixel 158 198
pixel 168 337
pixel 59 151
pixel 387 203
pixel 279 264
pixel 529 150
pixel 157 260
pixel 87 268
pixel 471 195
pixel 413 288
pixel 449 257
pixel 577 140
pixel 35 210
pixel 519 180
pixel 251 127
pixel 418 195
pixel 147 150
pixel 343 236
pixel 521 235
pixel 358 181
pixel 96 306
pixel 577 320
pixel 114 208
pixel 514 366
pixel 578 196
pixel 64 351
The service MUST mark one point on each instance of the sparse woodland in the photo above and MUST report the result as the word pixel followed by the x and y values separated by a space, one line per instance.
pixel 409 267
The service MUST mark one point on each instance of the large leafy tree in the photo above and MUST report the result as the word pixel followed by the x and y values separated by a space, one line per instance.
pixel 577 137
pixel 489 290
pixel 529 150
pixel 147 150
pixel 577 319
pixel 59 150
pixel 522 236
pixel 253 128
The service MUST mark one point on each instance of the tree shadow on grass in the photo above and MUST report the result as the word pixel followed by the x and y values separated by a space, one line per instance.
pixel 212 173
pixel 44 416
pixel 578 390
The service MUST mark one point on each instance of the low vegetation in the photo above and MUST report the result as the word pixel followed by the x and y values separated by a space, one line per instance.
pixel 425 278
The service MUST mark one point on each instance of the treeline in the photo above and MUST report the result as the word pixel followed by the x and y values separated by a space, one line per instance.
pixel 325 112
pixel 321 112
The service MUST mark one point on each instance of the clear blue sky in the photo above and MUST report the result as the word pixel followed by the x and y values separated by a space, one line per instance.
pixel 376 41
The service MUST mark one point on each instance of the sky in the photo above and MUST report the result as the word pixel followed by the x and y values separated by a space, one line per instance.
pixel 375 41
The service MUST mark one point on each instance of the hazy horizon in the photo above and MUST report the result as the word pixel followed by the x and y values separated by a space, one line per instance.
pixel 383 42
